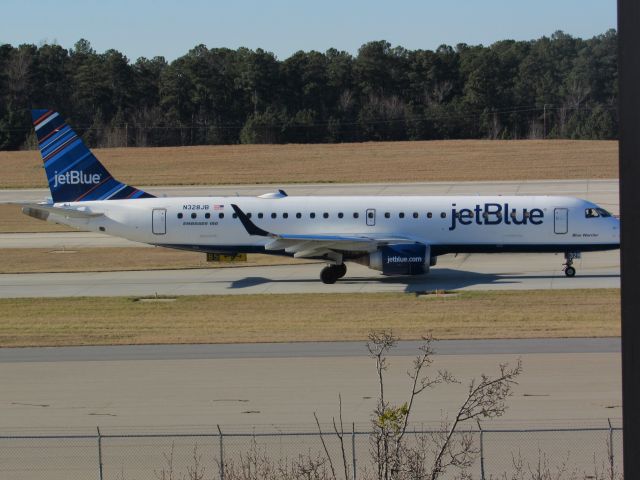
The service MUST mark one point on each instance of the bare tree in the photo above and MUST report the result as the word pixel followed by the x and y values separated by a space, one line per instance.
pixel 390 422
pixel 394 459
pixel 486 398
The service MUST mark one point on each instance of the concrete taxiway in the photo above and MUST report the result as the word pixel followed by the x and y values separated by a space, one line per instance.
pixel 464 272
pixel 282 385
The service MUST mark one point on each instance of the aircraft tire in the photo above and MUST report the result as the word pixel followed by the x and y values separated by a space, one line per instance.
pixel 329 275
pixel 341 270
pixel 570 272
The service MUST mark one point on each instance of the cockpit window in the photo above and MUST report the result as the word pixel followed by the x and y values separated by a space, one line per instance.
pixel 596 212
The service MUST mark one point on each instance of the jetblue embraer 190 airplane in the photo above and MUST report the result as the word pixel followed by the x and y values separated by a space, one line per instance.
pixel 398 235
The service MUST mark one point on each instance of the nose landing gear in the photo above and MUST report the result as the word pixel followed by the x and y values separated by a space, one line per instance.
pixel 567 266
pixel 331 273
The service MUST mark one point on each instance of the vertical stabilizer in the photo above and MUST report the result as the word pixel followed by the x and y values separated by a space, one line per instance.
pixel 74 174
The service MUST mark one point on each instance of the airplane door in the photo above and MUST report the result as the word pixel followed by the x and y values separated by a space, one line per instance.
pixel 159 223
pixel 371 217
pixel 561 220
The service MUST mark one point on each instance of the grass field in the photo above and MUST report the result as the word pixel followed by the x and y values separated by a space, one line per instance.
pixel 321 317
pixel 449 160
pixel 38 260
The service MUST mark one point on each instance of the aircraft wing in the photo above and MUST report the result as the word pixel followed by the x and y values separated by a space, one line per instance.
pixel 42 211
pixel 313 246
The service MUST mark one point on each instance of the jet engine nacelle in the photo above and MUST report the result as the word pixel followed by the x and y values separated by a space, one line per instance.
pixel 402 259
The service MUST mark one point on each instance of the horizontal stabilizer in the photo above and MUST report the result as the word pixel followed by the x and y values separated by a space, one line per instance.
pixel 42 211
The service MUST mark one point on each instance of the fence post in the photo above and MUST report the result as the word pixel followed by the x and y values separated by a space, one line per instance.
pixel 221 454
pixel 610 443
pixel 481 450
pixel 353 448
pixel 99 453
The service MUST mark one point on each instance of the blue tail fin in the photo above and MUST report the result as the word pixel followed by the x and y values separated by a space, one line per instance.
pixel 73 172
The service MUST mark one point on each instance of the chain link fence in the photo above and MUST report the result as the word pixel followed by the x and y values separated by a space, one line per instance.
pixel 504 454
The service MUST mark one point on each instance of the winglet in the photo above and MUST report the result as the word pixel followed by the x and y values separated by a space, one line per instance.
pixel 249 226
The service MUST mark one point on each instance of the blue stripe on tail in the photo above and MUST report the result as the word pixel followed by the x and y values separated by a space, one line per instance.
pixel 74 174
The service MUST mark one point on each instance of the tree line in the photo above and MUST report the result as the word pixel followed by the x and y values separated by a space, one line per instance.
pixel 553 87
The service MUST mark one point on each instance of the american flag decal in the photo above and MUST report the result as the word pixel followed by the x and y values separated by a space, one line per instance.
pixel 218 207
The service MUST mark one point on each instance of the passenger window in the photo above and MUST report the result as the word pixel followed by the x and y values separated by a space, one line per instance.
pixel 401 215
pixel 249 215
pixel 260 215
pixel 356 214
pixel 340 215
pixel 221 215
pixel 274 215
pixel 194 215
pixel 312 215
pixel 429 214
pixel 285 215
pixel 207 215
pixel 180 215
pixel 415 214
pixel 387 215
pixel 443 215
pixel 370 214
pixel 325 215
pixel 298 215
pixel 235 215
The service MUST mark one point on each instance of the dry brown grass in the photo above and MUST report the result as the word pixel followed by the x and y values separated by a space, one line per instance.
pixel 313 317
pixel 38 260
pixel 450 160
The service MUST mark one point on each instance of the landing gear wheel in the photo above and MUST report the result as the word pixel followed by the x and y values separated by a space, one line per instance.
pixel 569 257
pixel 329 275
pixel 341 270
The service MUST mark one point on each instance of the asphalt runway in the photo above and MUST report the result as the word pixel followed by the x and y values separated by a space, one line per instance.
pixel 565 382
pixel 276 388
pixel 302 350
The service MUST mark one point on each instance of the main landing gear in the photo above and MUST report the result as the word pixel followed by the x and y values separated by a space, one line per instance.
pixel 331 273
pixel 567 266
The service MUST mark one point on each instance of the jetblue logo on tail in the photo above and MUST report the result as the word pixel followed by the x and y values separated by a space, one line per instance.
pixel 74 177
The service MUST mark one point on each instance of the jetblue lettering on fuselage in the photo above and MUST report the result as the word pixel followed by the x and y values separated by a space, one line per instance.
pixel 74 177
pixel 495 214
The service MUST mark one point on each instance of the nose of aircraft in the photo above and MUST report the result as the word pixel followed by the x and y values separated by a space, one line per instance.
pixel 615 226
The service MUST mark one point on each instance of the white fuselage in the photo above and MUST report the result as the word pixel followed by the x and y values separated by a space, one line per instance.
pixel 448 224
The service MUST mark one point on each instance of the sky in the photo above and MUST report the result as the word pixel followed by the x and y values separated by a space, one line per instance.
pixel 170 28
